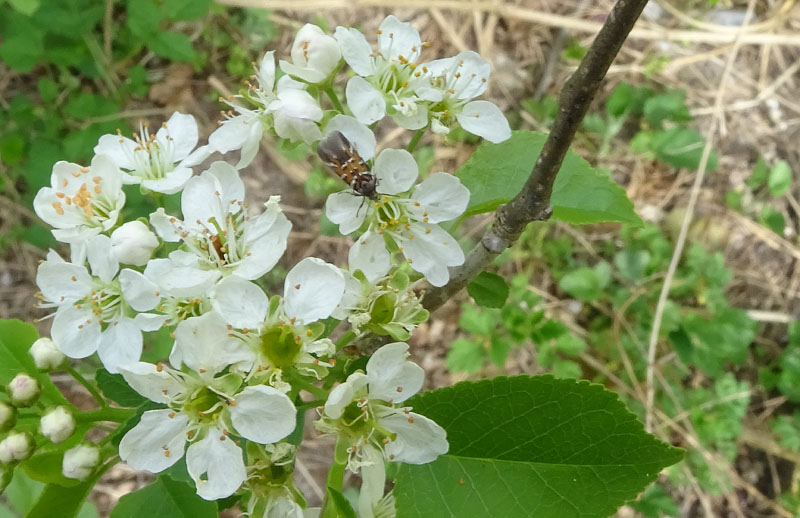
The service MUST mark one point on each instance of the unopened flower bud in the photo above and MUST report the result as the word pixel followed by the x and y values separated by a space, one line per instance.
pixel 57 424
pixel 16 447
pixel 315 55
pixel 8 417
pixel 24 390
pixel 80 461
pixel 133 243
pixel 46 355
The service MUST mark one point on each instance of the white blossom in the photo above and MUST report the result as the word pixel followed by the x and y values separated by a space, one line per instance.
pixel 452 83
pixel 386 77
pixel 81 201
pixel 92 311
pixel 133 243
pixel 217 232
pixel 80 461
pixel 285 107
pixel 380 429
pixel 57 424
pixel 16 447
pixel 162 162
pixel 403 213
pixel 8 417
pixel 24 390
pixel 266 337
pixel 203 409
pixel 46 355
pixel 315 55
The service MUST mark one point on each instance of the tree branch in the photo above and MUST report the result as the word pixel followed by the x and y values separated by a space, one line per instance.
pixel 533 201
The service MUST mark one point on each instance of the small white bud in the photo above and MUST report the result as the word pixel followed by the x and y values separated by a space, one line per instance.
pixel 8 417
pixel 46 355
pixel 133 243
pixel 24 390
pixel 57 424
pixel 16 447
pixel 80 461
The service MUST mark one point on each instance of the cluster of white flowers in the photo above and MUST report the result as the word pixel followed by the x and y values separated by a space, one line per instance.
pixel 242 357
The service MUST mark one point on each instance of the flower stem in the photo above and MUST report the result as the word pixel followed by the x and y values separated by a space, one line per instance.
pixel 88 386
pixel 415 140
pixel 116 415
pixel 334 98
pixel 317 392
pixel 335 477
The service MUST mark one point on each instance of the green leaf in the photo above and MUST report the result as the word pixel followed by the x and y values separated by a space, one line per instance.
pixel 488 290
pixel 22 52
pixel 632 264
pixel 115 388
pixel 656 503
pixel 780 178
pixel 465 355
pixel 681 147
pixel 186 10
pixel 343 507
pixel 584 283
pixel 16 338
pixel 759 175
pixel 667 106
pixel 86 105
pixel 165 498
pixel 495 173
pixel 773 220
pixel 530 447
pixel 64 502
pixel 26 7
pixel 175 46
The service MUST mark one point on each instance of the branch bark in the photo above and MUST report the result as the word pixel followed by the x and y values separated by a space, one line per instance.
pixel 533 201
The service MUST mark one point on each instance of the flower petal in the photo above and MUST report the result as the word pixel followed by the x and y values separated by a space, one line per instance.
pixel 203 344
pixel 347 210
pixel 369 254
pixel 266 236
pixel 156 443
pixel 75 331
pixel 373 481
pixel 413 120
pixel 431 251
pixel 215 463
pixel 234 132
pixel 102 260
pixel 364 100
pixel 418 440
pixel 360 136
pixel 312 290
pixel 63 282
pixel 396 171
pixel 170 184
pixel 391 376
pixel 241 303
pixel 263 414
pixel 396 38
pixel 120 344
pixel 120 149
pixel 165 225
pixel 441 196
pixel 139 292
pixel 179 134
pixel 355 50
pixel 343 394
pixel 484 119
pixel 153 383
pixel 266 71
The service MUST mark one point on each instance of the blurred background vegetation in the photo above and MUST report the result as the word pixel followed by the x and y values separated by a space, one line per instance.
pixel 726 369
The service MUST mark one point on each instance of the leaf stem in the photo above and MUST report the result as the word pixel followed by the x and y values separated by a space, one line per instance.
pixel 415 140
pixel 88 386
